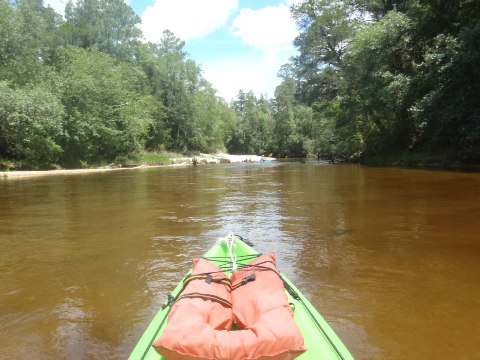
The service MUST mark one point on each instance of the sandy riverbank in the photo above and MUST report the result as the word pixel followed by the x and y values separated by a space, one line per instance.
pixel 185 161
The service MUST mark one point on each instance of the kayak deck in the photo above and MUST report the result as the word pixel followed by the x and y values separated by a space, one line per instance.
pixel 320 340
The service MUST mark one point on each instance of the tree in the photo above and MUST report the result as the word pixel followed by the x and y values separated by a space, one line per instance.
pixel 9 37
pixel 379 8
pixel 251 132
pixel 378 82
pixel 109 25
pixel 447 116
pixel 173 80
pixel 30 126
pixel 326 28
pixel 213 118
pixel 285 127
pixel 27 39
pixel 106 113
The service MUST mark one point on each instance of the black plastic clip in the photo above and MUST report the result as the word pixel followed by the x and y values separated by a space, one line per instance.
pixel 170 301
pixel 249 278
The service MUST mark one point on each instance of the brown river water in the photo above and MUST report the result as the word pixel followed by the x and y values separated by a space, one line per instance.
pixel 390 257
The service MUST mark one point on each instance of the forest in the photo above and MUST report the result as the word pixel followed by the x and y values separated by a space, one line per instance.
pixel 375 81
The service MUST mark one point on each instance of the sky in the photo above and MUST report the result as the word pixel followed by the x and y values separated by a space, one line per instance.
pixel 239 44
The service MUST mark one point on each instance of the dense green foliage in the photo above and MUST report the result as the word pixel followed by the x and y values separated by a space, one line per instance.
pixel 372 77
pixel 391 77
pixel 84 89
pixel 30 125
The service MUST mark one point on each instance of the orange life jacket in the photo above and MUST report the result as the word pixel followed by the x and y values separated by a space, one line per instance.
pixel 199 327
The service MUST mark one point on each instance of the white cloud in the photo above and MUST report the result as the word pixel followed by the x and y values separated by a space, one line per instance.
pixel 188 19
pixel 268 28
pixel 229 75
pixel 293 2
pixel 270 32
pixel 57 5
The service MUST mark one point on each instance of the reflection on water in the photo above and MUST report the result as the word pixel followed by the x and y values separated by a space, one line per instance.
pixel 390 257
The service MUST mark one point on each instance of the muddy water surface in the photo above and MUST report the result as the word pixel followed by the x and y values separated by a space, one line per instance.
pixel 390 257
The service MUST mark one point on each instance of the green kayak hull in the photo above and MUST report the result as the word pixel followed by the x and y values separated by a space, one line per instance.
pixel 320 340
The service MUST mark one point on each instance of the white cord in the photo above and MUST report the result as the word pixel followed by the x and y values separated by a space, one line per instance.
pixel 230 241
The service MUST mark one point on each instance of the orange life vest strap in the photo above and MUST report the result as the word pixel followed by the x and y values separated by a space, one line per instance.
pixel 208 279
pixel 197 295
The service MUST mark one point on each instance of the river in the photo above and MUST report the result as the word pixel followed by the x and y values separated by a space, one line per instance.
pixel 390 257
